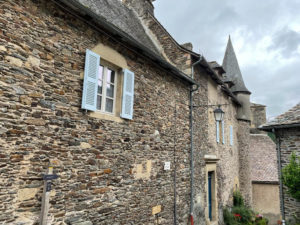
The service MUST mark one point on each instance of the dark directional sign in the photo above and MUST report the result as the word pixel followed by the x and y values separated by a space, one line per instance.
pixel 50 176
pixel 48 186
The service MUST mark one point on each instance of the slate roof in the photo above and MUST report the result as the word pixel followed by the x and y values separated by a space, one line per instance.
pixel 233 72
pixel 290 118
pixel 122 24
pixel 252 104
pixel 116 13
pixel 263 159
pixel 214 64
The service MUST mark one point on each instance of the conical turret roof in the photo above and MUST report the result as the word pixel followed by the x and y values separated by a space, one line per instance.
pixel 233 72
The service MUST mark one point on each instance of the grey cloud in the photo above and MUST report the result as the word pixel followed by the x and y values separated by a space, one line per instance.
pixel 278 90
pixel 287 42
pixel 207 25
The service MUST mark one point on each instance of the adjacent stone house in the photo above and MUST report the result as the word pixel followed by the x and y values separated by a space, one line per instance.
pixel 100 92
pixel 286 128
pixel 264 169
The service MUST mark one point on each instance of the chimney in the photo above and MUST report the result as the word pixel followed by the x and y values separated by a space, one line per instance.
pixel 188 46
pixel 140 6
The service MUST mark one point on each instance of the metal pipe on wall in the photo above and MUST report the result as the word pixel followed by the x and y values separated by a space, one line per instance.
pixel 175 168
pixel 192 143
pixel 279 174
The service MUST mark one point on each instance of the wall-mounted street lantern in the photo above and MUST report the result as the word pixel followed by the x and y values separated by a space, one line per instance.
pixel 219 114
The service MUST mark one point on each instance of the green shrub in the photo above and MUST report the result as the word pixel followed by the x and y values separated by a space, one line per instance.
pixel 262 221
pixel 246 215
pixel 241 214
pixel 229 218
pixel 238 199
pixel 291 176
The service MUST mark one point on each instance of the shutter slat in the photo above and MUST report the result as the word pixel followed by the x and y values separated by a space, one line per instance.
pixel 223 132
pixel 90 83
pixel 128 95
pixel 218 132
pixel 231 135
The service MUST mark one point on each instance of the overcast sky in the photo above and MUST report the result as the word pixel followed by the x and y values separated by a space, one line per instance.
pixel 265 35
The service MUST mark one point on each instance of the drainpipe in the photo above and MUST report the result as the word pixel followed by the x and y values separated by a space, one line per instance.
pixel 193 65
pixel 192 143
pixel 279 173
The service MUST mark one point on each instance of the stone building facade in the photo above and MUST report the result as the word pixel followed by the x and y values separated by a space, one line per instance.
pixel 286 127
pixel 111 170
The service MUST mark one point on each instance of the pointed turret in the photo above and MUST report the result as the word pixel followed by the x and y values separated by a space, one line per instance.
pixel 233 72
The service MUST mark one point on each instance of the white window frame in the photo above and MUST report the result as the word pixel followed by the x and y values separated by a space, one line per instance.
pixel 103 98
pixel 231 135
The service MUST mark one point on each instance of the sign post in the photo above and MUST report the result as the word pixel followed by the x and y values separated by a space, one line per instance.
pixel 46 194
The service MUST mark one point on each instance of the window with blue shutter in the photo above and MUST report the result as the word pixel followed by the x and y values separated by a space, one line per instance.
pixel 231 135
pixel 217 132
pixel 223 132
pixel 90 83
pixel 128 95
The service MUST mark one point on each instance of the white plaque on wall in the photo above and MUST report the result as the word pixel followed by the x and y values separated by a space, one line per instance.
pixel 167 166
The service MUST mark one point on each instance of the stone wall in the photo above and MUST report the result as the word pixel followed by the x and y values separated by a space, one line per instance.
pixel 289 142
pixel 243 136
pixel 228 166
pixel 109 172
pixel 266 201
pixel 205 144
pixel 200 122
pixel 258 115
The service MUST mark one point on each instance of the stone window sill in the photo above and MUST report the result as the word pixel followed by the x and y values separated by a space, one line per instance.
pixel 104 116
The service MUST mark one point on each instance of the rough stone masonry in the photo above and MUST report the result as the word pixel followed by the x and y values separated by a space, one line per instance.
pixel 109 172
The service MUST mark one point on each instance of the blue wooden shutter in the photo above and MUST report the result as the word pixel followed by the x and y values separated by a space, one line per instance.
pixel 128 95
pixel 223 132
pixel 90 83
pixel 231 135
pixel 218 132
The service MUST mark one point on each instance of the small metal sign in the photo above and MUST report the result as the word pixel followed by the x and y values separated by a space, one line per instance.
pixel 50 176
pixel 48 186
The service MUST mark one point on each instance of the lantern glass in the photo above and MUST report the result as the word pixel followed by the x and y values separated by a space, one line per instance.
pixel 219 114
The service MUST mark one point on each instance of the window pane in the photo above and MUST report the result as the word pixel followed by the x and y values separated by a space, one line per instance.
pixel 110 90
pixel 110 76
pixel 109 105
pixel 100 84
pixel 101 69
pixel 99 102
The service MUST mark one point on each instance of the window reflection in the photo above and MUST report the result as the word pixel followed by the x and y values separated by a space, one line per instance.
pixel 109 105
pixel 99 101
pixel 110 76
pixel 100 86
pixel 101 69
pixel 110 90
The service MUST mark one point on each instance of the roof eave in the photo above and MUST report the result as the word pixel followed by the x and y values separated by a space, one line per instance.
pixel 265 182
pixel 278 126
pixel 242 92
